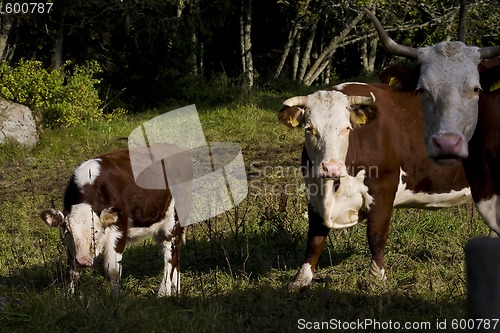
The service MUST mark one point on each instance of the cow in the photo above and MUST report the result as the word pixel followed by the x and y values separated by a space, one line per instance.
pixel 378 143
pixel 105 209
pixel 447 82
pixel 462 114
pixel 483 161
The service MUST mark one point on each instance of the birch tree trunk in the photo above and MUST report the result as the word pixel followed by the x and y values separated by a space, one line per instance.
pixel 306 56
pixel 327 54
pixel 246 42
pixel 7 22
pixel 56 59
pixel 288 46
pixel 368 54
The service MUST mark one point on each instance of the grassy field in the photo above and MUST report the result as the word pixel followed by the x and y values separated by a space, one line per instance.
pixel 235 268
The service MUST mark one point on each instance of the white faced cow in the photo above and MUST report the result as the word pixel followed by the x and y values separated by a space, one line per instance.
pixel 454 87
pixel 104 210
pixel 373 141
pixel 448 86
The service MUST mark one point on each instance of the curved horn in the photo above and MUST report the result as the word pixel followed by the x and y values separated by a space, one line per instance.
pixel 489 52
pixel 390 45
pixel 361 100
pixel 296 101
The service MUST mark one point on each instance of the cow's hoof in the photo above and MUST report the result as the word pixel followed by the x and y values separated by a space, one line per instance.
pixel 302 279
pixel 376 272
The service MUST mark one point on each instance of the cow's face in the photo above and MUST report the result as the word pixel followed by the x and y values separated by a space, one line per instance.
pixel 84 232
pixel 327 118
pixel 448 88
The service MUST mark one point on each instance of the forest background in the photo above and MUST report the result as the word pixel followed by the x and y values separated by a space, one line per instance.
pixel 150 52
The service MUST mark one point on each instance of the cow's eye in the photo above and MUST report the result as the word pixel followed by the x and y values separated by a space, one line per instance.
pixel 477 90
pixel 346 130
pixel 420 90
pixel 311 130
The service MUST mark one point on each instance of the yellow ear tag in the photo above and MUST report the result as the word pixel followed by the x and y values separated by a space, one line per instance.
pixel 393 81
pixel 495 86
pixel 362 119
pixel 293 122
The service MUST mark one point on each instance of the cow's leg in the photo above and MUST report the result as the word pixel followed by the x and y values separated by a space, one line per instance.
pixel 316 237
pixel 113 254
pixel 170 281
pixel 378 219
pixel 74 276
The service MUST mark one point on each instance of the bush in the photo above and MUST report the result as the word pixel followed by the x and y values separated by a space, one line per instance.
pixel 63 97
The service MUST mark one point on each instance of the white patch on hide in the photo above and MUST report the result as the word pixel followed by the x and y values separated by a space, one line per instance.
pixel 339 206
pixel 490 212
pixel 341 86
pixel 87 172
pixel 408 199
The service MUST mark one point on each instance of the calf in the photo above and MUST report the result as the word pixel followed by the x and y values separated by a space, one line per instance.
pixel 104 209
pixel 379 142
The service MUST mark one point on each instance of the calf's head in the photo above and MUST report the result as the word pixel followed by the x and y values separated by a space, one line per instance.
pixel 84 232
pixel 448 85
pixel 327 118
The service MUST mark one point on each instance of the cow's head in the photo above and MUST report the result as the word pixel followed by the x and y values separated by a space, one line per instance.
pixel 448 86
pixel 327 117
pixel 84 232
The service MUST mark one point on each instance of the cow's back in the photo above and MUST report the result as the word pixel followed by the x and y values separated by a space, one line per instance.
pixel 108 181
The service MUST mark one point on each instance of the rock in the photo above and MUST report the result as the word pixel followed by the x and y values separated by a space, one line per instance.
pixel 17 123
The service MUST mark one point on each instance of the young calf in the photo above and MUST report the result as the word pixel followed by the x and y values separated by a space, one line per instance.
pixel 105 209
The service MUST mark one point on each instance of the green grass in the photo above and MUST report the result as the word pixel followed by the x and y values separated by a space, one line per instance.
pixel 235 268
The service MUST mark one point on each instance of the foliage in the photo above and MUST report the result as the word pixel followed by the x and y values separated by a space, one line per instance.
pixel 66 96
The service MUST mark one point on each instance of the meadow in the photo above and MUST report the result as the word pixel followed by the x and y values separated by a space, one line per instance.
pixel 235 268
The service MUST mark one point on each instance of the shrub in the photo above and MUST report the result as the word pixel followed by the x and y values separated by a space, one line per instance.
pixel 62 97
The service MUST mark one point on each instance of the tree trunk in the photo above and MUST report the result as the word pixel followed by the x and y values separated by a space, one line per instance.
pixel 7 22
pixel 368 55
pixel 306 57
pixel 296 56
pixel 56 60
pixel 325 56
pixel 288 46
pixel 246 43
pixel 461 21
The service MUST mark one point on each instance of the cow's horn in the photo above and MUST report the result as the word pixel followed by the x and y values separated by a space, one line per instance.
pixel 361 100
pixel 489 52
pixel 390 45
pixel 296 101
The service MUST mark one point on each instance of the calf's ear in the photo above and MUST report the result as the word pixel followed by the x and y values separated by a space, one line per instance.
pixel 291 116
pixel 53 217
pixel 109 216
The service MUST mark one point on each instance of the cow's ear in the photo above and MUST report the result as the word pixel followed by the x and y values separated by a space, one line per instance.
pixel 361 115
pixel 53 217
pixel 291 116
pixel 109 216
pixel 400 78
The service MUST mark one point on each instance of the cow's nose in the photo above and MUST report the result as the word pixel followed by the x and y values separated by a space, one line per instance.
pixel 448 145
pixel 84 262
pixel 332 169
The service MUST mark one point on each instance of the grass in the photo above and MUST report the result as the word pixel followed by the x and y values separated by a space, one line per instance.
pixel 235 268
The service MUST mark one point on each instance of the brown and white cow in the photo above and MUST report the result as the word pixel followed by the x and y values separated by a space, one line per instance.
pixel 387 147
pixel 104 210
pixel 447 82
pixel 483 161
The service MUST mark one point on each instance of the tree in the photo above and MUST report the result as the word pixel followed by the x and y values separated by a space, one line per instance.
pixel 246 43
